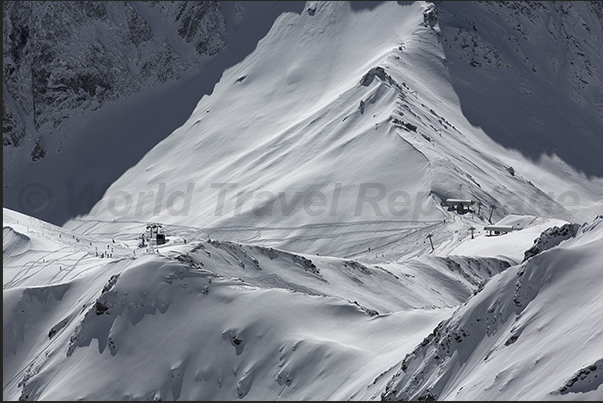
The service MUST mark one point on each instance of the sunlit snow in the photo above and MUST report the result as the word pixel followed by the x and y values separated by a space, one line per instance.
pixel 310 253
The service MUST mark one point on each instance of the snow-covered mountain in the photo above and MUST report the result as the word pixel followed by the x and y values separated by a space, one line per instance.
pixel 63 58
pixel 533 333
pixel 433 54
pixel 299 157
pixel 358 119
pixel 219 320
pixel 104 82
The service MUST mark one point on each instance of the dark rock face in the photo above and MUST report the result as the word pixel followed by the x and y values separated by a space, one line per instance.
pixel 38 151
pixel 63 58
pixel 551 237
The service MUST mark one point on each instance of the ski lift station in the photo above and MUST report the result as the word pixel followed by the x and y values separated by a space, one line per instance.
pixel 460 205
pixel 498 229
pixel 154 234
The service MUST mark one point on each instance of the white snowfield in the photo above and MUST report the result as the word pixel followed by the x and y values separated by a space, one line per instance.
pixel 533 333
pixel 309 255
pixel 219 320
pixel 348 119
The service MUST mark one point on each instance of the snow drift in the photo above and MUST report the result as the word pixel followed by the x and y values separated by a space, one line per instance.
pixel 310 251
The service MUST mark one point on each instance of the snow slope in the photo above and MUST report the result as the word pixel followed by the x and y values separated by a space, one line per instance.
pixel 532 333
pixel 349 119
pixel 217 320
pixel 259 323
pixel 301 199
pixel 152 65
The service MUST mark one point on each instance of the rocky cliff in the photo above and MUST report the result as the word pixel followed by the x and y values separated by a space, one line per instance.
pixel 62 58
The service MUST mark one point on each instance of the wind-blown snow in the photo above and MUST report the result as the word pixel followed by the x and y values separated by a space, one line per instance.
pixel 532 333
pixel 255 316
pixel 362 132
pixel 310 254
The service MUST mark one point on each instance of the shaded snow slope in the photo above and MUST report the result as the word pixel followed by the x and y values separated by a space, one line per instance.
pixel 152 62
pixel 310 254
pixel 540 65
pixel 343 118
pixel 211 319
pixel 13 242
pixel 532 333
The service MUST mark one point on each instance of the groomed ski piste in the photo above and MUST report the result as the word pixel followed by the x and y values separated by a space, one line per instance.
pixel 212 319
pixel 310 255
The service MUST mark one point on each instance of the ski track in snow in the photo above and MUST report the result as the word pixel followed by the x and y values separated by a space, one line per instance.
pixel 260 297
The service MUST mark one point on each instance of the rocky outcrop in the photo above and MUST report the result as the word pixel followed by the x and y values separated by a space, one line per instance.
pixel 551 237
pixel 63 58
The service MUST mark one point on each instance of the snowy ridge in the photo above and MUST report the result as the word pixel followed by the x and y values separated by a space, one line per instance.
pixel 14 242
pixel 260 312
pixel 491 347
pixel 147 77
pixel 551 237
pixel 301 178
pixel 244 303
pixel 247 302
pixel 301 129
